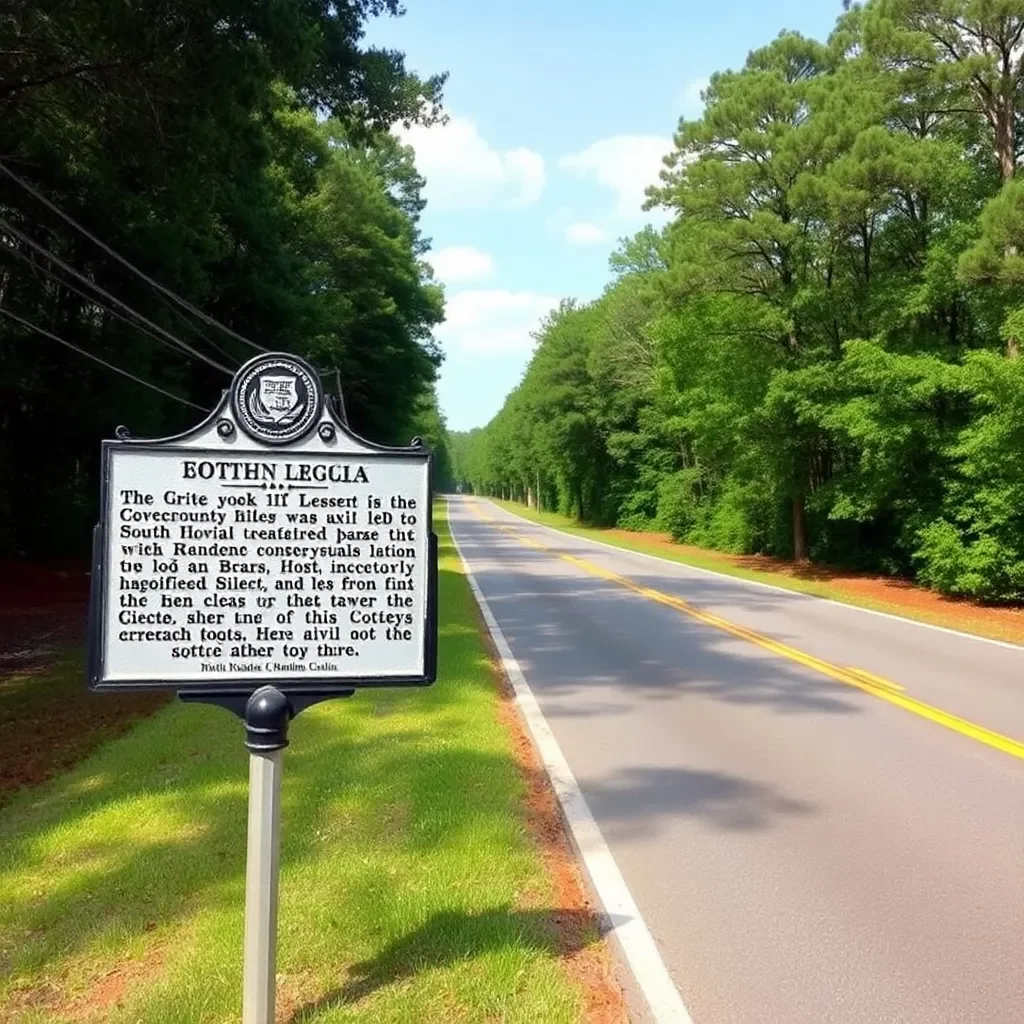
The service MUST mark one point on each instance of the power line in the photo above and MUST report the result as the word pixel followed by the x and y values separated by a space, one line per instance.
pixel 341 396
pixel 163 289
pixel 140 327
pixel 192 327
pixel 91 299
pixel 96 359
pixel 67 218
pixel 165 336
pixel 67 268
pixel 49 272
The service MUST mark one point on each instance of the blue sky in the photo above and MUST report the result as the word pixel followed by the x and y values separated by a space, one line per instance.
pixel 560 111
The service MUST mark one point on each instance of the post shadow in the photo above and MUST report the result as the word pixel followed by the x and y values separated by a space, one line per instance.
pixel 450 936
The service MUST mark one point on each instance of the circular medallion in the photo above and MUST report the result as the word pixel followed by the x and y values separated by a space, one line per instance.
pixel 276 398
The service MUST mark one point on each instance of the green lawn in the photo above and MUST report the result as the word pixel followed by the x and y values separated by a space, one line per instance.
pixel 410 889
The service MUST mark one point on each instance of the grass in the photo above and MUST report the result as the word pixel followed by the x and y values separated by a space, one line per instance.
pixel 959 615
pixel 410 888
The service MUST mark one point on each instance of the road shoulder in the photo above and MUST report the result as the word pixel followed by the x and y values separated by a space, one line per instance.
pixel 893 598
pixel 622 917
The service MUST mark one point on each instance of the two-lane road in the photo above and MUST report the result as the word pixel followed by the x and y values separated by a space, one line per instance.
pixel 803 849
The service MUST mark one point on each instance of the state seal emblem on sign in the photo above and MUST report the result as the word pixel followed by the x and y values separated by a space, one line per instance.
pixel 276 399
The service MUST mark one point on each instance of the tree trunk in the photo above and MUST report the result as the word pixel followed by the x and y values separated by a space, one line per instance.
pixel 799 529
pixel 1005 141
pixel 1006 148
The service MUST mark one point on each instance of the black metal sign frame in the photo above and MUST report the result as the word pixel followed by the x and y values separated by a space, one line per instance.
pixel 327 422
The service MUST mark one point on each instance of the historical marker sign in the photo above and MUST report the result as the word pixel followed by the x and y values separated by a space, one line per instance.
pixel 268 545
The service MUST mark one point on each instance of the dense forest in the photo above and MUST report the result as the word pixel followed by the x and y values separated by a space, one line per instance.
pixel 819 356
pixel 237 154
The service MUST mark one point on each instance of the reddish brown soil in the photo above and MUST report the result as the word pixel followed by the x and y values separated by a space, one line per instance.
pixel 884 592
pixel 48 719
pixel 102 995
pixel 41 611
pixel 109 990
pixel 576 922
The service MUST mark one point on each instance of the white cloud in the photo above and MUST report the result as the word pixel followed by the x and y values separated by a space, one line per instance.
pixel 692 104
pixel 493 320
pixel 625 164
pixel 464 172
pixel 460 263
pixel 585 234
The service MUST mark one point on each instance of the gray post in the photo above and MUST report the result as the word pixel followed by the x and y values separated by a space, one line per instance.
pixel 266 725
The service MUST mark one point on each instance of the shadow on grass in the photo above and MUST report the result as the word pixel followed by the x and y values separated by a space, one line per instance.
pixel 49 721
pixel 124 880
pixel 152 826
pixel 452 936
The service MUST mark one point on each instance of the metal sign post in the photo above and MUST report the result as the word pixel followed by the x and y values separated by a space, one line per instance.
pixel 267 713
pixel 263 561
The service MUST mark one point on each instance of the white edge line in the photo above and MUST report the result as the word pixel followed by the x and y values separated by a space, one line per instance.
pixel 752 583
pixel 625 920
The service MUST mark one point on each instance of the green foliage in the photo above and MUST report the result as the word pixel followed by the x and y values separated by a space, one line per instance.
pixel 975 546
pixel 239 153
pixel 430 425
pixel 818 355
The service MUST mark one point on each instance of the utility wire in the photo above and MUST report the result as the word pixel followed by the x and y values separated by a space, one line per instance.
pixel 67 268
pixel 91 299
pixel 96 359
pixel 67 218
pixel 341 396
pixel 192 327
pixel 173 296
pixel 141 328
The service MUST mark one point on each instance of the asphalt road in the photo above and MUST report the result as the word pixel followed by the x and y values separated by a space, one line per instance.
pixel 803 851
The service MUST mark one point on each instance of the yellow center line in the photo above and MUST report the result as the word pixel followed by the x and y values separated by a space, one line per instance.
pixel 870 677
pixel 884 689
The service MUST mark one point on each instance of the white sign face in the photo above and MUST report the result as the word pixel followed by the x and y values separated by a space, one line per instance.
pixel 264 565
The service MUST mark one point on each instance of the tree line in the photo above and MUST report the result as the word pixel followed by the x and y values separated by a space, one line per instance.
pixel 239 155
pixel 819 356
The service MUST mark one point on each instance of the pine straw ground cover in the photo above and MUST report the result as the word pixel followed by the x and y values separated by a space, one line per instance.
pixel 413 884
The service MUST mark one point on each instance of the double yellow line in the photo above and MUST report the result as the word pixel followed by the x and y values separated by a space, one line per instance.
pixel 884 689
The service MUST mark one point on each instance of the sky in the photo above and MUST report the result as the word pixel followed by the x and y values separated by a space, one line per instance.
pixel 560 112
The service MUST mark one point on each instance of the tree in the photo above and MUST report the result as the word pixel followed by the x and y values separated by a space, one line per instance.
pixel 809 359
pixel 965 55
pixel 237 152
pixel 732 179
